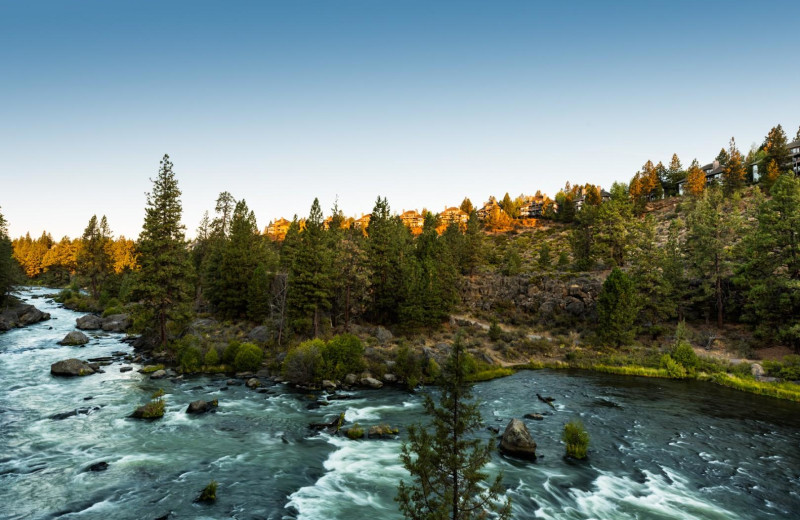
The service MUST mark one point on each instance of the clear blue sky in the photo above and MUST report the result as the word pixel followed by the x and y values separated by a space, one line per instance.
pixel 422 102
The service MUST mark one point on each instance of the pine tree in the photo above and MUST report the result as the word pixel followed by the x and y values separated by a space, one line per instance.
pixel 310 276
pixel 238 256
pixel 545 260
pixel 6 261
pixel 733 174
pixel 258 294
pixel 722 157
pixel 674 175
pixel 712 225
pixel 388 248
pixel 695 180
pixel 445 460
pixel 771 274
pixel 614 227
pixel 165 277
pixel 616 310
pixel 776 148
pixel 93 260
pixel 466 206
pixel 770 176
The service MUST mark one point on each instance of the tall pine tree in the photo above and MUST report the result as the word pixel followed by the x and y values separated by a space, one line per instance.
pixel 165 275
pixel 6 261
pixel 93 259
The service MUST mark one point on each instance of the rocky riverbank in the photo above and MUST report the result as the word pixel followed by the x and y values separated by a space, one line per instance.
pixel 18 314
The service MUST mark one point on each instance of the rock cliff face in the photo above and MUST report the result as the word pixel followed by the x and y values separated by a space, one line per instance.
pixel 540 295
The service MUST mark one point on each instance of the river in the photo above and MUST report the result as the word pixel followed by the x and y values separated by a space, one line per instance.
pixel 659 449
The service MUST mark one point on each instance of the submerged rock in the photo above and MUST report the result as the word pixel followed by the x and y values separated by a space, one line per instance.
pixel 534 416
pixel 200 406
pixel 517 441
pixel 75 337
pixel 98 466
pixel 71 367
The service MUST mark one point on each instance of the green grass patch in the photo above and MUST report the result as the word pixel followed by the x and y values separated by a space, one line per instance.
pixel 632 370
pixel 789 391
pixel 492 373
pixel 149 369
pixel 154 409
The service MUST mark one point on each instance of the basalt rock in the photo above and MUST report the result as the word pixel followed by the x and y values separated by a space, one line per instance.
pixel 71 367
pixel 21 315
pixel 116 323
pixel 75 337
pixel 517 441
pixel 541 296
pixel 89 322
pixel 200 406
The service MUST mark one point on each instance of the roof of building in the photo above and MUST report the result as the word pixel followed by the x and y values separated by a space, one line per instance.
pixel 794 144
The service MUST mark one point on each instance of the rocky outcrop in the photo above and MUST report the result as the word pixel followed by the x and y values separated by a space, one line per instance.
pixel 75 337
pixel 21 315
pixel 71 367
pixel 116 323
pixel 517 441
pixel 383 335
pixel 259 335
pixel 542 296
pixel 371 382
pixel 112 323
pixel 200 406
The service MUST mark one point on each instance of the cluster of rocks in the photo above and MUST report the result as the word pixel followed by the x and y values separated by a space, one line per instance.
pixel 112 323
pixel 21 315
pixel 542 296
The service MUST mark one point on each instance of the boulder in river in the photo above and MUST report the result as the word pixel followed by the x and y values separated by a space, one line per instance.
pixel 517 441
pixel 75 337
pixel 329 385
pixel 253 383
pixel 534 416
pixel 89 322
pixel 116 322
pixel 158 374
pixel 382 431
pixel 371 382
pixel 200 406
pixel 71 367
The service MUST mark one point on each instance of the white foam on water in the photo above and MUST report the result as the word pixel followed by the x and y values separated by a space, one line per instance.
pixel 361 478
pixel 373 413
pixel 615 497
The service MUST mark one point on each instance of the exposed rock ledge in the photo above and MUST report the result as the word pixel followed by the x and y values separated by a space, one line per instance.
pixel 20 315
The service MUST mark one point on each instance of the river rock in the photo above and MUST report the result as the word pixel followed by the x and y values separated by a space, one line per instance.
pixel 371 382
pixel 116 323
pixel 200 406
pixel 98 466
pixel 517 441
pixel 253 383
pixel 381 431
pixel 757 370
pixel 21 315
pixel 158 374
pixel 329 385
pixel 89 322
pixel 350 379
pixel 75 337
pixel 122 370
pixel 534 416
pixel 390 378
pixel 71 367
pixel 259 334
pixel 383 335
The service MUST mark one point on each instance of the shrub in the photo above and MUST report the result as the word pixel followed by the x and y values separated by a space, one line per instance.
pixel 158 393
pixel 154 409
pixel 495 332
pixel 433 370
pixel 355 432
pixel 209 493
pixel 230 352
pixel 674 370
pixel 342 355
pixel 190 359
pixel 683 353
pixel 407 366
pixel 248 358
pixel 303 364
pixel 576 438
pixel 211 358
